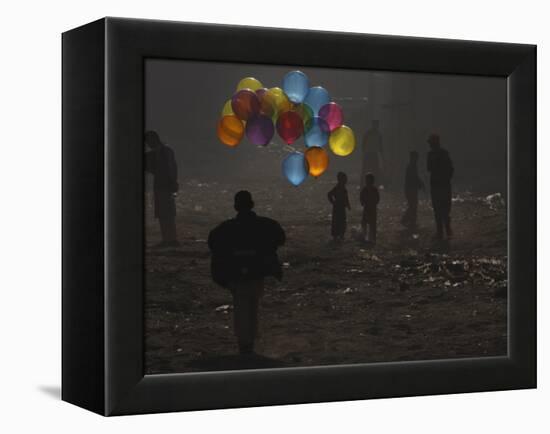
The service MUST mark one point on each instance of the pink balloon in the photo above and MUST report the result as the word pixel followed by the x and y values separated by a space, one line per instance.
pixel 332 114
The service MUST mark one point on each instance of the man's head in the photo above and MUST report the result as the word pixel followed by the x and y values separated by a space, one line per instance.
pixel 342 178
pixel 413 156
pixel 369 179
pixel 243 201
pixel 434 141
pixel 152 140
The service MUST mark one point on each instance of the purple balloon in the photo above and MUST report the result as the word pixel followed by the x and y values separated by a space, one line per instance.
pixel 332 114
pixel 245 104
pixel 260 130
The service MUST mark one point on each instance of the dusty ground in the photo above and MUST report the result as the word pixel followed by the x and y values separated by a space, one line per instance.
pixel 405 299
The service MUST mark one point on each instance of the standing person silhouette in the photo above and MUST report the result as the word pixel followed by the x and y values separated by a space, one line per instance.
pixel 338 197
pixel 372 153
pixel 413 184
pixel 369 198
pixel 244 252
pixel 160 161
pixel 440 167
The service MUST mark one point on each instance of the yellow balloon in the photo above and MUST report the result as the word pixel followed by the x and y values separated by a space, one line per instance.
pixel 279 99
pixel 342 141
pixel 249 83
pixel 227 109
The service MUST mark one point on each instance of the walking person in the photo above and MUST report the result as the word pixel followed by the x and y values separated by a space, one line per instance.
pixel 244 253
pixel 440 167
pixel 413 184
pixel 369 198
pixel 160 161
pixel 338 197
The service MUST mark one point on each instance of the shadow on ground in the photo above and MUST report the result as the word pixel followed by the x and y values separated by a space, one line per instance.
pixel 51 391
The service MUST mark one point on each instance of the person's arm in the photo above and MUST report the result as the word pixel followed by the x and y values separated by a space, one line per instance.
pixel 362 198
pixel 173 169
pixel 451 168
pixel 347 201
pixel 330 196
pixel 280 235
pixel 212 240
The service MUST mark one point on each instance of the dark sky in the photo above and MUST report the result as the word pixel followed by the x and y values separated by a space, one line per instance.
pixel 184 101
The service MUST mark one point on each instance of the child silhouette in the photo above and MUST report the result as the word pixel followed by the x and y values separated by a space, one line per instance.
pixel 369 200
pixel 338 197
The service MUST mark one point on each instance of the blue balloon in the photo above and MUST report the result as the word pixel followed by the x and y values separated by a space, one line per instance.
pixel 317 132
pixel 295 168
pixel 316 98
pixel 296 86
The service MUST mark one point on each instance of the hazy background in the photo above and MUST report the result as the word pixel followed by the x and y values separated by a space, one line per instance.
pixel 184 101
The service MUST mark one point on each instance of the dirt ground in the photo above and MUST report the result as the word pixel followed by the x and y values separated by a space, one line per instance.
pixel 408 298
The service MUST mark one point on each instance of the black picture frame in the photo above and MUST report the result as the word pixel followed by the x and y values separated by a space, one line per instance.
pixel 103 224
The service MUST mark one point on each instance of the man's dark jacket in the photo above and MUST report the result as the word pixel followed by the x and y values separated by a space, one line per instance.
pixel 245 248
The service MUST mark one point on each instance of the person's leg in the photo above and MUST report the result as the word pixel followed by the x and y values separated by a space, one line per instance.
pixel 163 230
pixel 256 291
pixel 168 230
pixel 344 224
pixel 438 217
pixel 448 204
pixel 372 231
pixel 166 213
pixel 405 220
pixel 240 316
pixel 414 211
pixel 246 298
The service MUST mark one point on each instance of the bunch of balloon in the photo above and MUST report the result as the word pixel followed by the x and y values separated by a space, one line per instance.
pixel 294 110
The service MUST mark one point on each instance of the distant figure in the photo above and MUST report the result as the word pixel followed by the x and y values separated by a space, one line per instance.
pixel 369 201
pixel 338 197
pixel 413 184
pixel 244 252
pixel 161 162
pixel 441 171
pixel 372 153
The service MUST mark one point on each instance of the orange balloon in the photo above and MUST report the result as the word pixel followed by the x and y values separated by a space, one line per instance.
pixel 317 159
pixel 230 130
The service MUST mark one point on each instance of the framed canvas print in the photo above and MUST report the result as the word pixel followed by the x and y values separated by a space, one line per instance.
pixel 257 216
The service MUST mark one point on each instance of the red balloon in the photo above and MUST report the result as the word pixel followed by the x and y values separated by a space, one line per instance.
pixel 290 126
pixel 245 104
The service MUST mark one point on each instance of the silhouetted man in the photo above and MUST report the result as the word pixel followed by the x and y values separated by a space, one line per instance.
pixel 372 153
pixel 161 162
pixel 441 171
pixel 369 198
pixel 244 252
pixel 413 184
